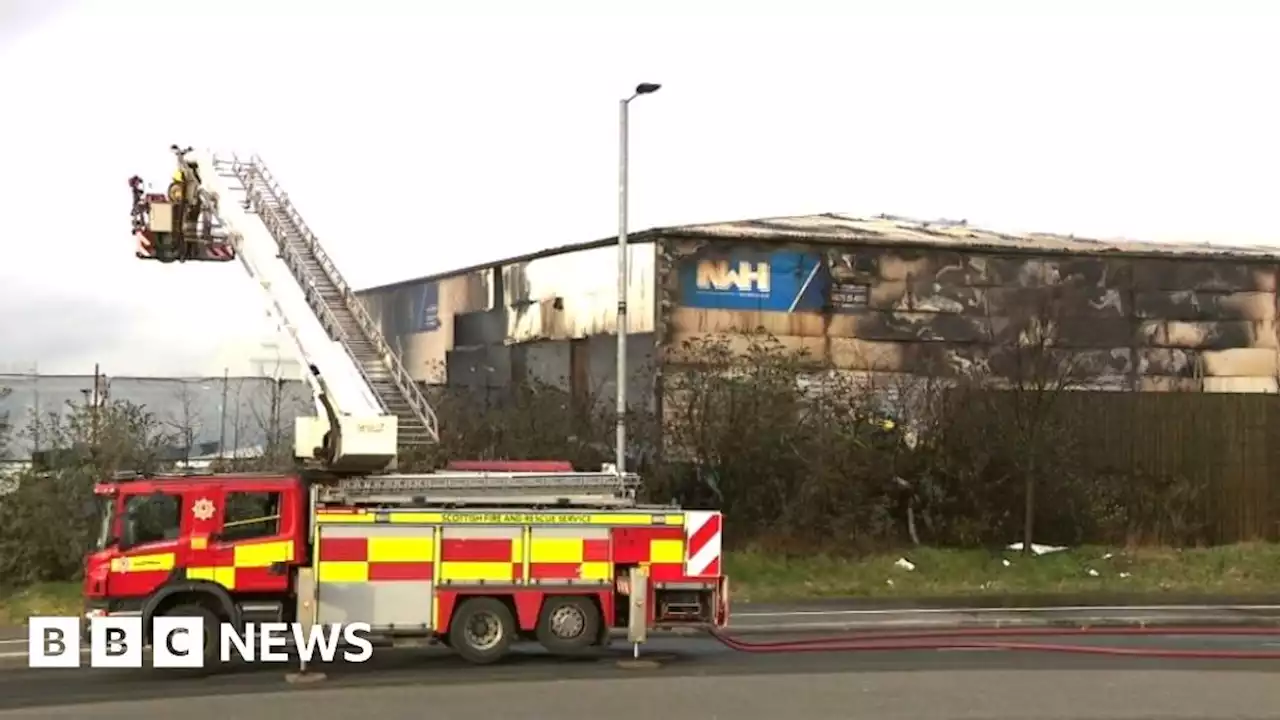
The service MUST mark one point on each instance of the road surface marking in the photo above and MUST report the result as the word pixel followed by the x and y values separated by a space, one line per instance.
pixel 83 651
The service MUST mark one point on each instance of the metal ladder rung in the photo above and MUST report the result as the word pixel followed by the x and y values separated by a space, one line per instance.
pixel 507 502
pixel 604 484
pixel 328 295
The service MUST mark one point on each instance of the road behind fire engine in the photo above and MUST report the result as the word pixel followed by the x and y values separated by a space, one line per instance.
pixel 698 678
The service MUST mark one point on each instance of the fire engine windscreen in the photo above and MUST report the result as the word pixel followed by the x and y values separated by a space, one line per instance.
pixel 106 518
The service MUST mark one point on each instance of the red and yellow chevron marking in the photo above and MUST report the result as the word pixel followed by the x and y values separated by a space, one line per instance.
pixel 375 559
pixel 242 566
pixel 702 528
pixel 221 252
pixel 464 560
pixel 569 559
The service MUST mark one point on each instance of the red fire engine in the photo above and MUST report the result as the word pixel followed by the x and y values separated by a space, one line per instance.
pixel 477 557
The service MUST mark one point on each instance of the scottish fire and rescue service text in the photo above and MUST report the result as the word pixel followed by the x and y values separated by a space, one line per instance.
pixel 177 642
pixel 516 519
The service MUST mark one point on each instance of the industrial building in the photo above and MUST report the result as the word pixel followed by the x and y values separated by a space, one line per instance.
pixel 871 295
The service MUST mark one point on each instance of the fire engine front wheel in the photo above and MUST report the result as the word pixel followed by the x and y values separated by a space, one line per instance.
pixel 212 630
pixel 482 630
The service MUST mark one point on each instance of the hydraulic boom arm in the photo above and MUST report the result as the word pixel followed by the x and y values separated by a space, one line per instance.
pixel 221 209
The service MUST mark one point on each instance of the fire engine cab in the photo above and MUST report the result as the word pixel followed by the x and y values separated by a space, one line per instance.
pixel 478 556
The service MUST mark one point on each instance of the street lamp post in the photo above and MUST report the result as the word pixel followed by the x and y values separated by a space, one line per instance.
pixel 620 459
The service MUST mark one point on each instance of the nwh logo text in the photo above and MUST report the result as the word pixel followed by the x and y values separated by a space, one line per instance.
pixel 178 642
pixel 723 276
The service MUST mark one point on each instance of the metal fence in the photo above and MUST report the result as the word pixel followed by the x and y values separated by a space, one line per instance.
pixel 224 414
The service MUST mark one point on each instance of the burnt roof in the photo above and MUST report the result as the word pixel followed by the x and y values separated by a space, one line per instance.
pixel 951 234
pixel 892 230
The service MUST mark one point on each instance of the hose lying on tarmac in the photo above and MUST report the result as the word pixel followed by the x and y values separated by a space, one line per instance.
pixel 971 639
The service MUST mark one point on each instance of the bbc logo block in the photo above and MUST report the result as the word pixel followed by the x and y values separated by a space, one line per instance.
pixel 53 642
pixel 179 642
pixel 115 642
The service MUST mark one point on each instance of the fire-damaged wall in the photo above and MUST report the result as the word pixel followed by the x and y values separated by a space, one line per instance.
pixel 419 318
pixel 548 317
pixel 1147 318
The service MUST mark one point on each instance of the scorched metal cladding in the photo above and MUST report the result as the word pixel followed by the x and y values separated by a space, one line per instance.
pixel 1115 320
pixel 417 317
pixel 574 294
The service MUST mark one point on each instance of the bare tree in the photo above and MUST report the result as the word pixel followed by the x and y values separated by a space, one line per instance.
pixel 267 412
pixel 6 429
pixel 1033 371
pixel 185 422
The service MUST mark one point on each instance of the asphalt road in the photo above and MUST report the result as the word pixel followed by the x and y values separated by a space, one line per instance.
pixel 697 678
pixel 842 614
pixel 1075 695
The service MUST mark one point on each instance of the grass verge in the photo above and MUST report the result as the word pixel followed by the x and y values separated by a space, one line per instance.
pixel 1240 570
pixel 42 599
pixel 1233 570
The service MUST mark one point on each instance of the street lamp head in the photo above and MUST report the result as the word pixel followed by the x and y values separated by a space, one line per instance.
pixel 647 88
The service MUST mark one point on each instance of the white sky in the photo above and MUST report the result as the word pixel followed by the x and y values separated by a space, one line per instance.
pixel 417 140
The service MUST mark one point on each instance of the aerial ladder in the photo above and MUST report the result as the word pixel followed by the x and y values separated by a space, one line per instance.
pixel 223 208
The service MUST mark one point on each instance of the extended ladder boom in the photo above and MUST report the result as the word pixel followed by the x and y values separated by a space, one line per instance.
pixel 225 208
pixel 365 437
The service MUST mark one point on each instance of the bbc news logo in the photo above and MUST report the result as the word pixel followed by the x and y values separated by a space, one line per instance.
pixel 178 642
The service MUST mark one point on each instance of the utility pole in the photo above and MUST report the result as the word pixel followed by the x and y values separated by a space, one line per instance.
pixel 97 401
pixel 222 421
pixel 620 452
pixel 35 408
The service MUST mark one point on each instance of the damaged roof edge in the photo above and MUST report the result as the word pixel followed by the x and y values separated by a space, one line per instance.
pixel 633 238
pixel 889 231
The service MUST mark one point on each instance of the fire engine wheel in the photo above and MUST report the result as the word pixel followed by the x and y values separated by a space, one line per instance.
pixel 568 624
pixel 482 630
pixel 212 629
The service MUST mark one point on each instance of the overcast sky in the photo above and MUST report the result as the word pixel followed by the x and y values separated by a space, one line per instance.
pixel 417 140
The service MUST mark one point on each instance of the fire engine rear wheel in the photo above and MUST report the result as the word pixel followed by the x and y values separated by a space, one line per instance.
pixel 482 630
pixel 212 629
pixel 568 624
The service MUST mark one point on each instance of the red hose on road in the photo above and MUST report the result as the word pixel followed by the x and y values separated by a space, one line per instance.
pixel 1100 631
pixel 954 639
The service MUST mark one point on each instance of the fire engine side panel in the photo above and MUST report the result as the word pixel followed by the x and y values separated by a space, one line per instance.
pixel 569 556
pixel 525 555
pixel 481 555
pixel 379 574
pixel 688 553
pixel 660 549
